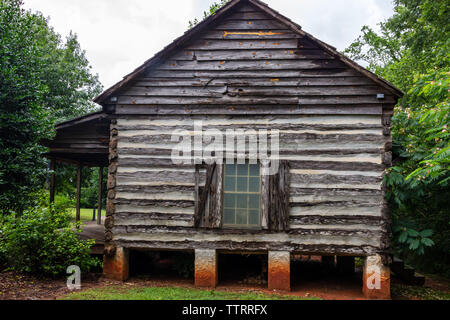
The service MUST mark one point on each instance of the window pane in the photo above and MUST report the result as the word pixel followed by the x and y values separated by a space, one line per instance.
pixel 242 195
pixel 230 169
pixel 229 201
pixel 242 170
pixel 254 185
pixel 255 170
pixel 242 184
pixel 241 217
pixel 253 202
pixel 230 184
pixel 253 217
pixel 229 216
pixel 241 201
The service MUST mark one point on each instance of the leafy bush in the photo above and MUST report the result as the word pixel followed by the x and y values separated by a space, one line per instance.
pixel 43 243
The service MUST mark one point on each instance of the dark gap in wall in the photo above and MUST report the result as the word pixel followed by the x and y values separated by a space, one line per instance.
pixel 162 265
pixel 243 269
pixel 322 273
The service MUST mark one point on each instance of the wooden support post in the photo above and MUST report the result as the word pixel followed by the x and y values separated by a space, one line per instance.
pixel 78 214
pixel 52 180
pixel 116 264
pixel 100 191
pixel 345 265
pixel 376 279
pixel 206 268
pixel 279 271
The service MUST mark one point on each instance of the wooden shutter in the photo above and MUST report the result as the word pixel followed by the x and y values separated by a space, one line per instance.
pixel 208 199
pixel 275 198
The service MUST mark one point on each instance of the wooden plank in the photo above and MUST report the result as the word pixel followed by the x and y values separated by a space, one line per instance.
pixel 320 122
pixel 268 24
pixel 99 196
pixel 251 100
pixel 208 45
pixel 249 15
pixel 78 196
pixel 216 219
pixel 164 203
pixel 245 34
pixel 235 90
pixel 267 74
pixel 254 54
pixel 231 109
pixel 255 82
pixel 335 179
pixel 206 238
pixel 199 215
pixel 332 165
pixel 250 65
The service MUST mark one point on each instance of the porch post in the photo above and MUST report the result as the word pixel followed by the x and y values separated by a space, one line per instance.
pixel 52 180
pixel 79 168
pixel 100 190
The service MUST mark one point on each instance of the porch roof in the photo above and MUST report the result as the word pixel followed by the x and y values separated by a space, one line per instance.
pixel 84 140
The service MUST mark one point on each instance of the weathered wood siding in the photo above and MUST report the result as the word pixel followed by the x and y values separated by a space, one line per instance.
pixel 252 72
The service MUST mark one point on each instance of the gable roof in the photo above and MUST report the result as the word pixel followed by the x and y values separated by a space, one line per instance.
pixel 188 35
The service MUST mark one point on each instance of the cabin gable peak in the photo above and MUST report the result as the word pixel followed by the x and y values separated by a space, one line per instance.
pixel 254 28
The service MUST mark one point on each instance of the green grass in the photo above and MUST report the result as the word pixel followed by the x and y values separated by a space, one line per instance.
pixel 86 214
pixel 415 292
pixel 171 293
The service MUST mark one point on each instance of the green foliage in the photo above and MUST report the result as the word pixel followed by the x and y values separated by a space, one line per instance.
pixel 212 10
pixel 42 80
pixel 43 243
pixel 65 184
pixel 412 50
pixel 23 119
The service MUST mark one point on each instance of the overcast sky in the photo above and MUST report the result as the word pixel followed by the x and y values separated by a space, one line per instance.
pixel 119 35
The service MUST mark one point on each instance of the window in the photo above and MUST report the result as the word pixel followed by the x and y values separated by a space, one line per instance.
pixel 242 196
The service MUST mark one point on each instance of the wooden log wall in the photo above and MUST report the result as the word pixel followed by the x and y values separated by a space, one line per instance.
pixel 252 72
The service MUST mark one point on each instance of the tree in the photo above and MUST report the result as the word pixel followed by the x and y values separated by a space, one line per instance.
pixel 42 80
pixel 212 10
pixel 412 50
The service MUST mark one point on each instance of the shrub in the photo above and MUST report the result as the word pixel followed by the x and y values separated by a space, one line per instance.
pixel 42 242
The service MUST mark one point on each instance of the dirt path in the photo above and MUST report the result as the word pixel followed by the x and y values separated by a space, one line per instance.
pixel 20 287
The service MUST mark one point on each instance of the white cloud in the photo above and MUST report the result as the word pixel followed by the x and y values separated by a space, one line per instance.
pixel 119 35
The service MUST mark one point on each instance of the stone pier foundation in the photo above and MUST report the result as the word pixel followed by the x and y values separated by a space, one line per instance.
pixel 279 271
pixel 116 263
pixel 376 279
pixel 206 268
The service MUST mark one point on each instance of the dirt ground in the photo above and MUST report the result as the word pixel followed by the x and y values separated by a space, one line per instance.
pixel 20 287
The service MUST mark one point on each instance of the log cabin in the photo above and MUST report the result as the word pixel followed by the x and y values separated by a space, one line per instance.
pixel 245 68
